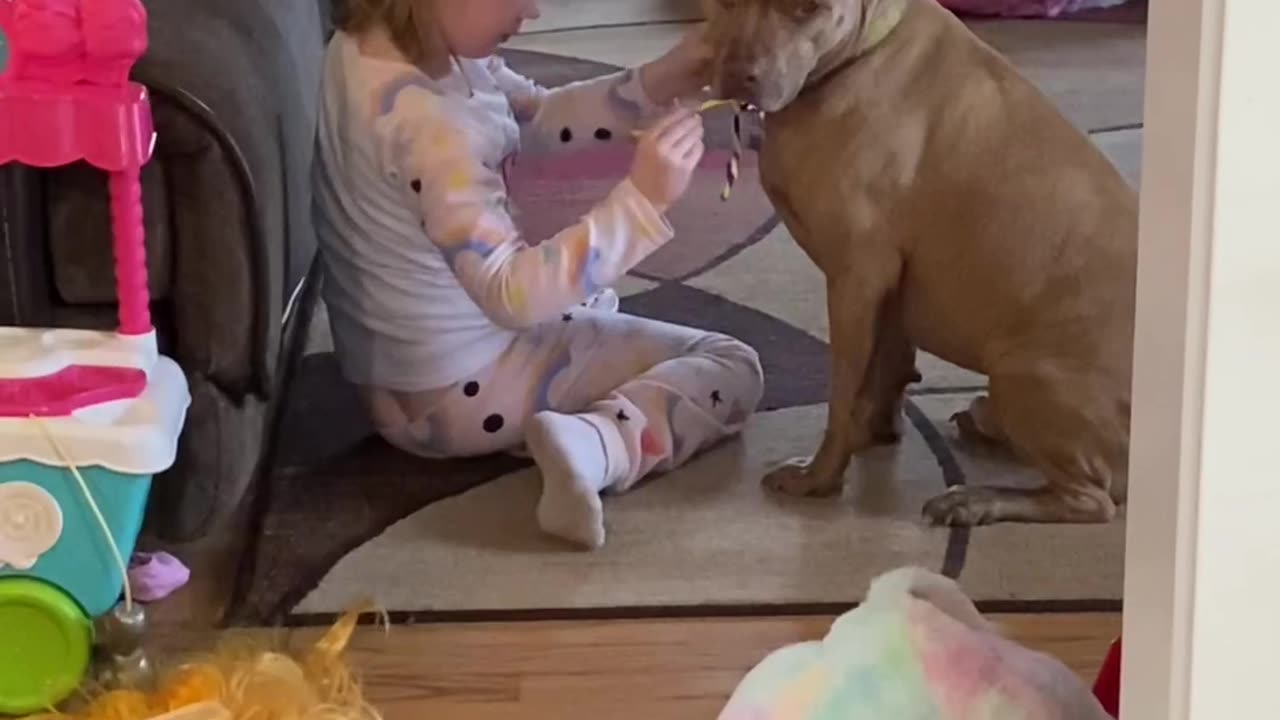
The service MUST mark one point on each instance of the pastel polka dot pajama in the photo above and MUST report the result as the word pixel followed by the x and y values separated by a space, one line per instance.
pixel 667 391
pixel 467 340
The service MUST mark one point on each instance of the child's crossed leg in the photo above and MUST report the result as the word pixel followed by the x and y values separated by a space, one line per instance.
pixel 600 400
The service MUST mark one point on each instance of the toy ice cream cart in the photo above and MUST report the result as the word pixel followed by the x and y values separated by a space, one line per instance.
pixel 86 418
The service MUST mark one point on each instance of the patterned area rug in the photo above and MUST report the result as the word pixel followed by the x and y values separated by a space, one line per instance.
pixel 347 517
pixel 559 15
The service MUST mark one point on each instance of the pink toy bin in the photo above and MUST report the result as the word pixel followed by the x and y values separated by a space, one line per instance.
pixel 87 418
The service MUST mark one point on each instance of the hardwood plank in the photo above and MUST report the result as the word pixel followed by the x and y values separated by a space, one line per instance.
pixel 170 645
pixel 1080 641
pixel 622 670
pixel 563 709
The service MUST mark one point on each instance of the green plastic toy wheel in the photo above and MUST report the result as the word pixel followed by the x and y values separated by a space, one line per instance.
pixel 45 644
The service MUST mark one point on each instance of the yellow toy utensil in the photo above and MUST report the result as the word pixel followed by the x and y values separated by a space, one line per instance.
pixel 735 155
pixel 708 105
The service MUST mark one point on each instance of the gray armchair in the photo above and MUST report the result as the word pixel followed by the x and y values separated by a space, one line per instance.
pixel 230 243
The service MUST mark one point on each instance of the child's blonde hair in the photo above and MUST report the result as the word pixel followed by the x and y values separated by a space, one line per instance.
pixel 407 22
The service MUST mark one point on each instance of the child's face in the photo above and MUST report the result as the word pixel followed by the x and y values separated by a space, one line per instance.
pixel 475 28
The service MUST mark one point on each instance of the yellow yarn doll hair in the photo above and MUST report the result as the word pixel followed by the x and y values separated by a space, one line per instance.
pixel 244 683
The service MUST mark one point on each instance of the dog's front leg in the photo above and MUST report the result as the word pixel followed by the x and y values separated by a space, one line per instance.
pixel 893 368
pixel 855 296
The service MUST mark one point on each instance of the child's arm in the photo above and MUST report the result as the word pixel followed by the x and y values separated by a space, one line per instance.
pixel 608 107
pixel 464 213
pixel 590 111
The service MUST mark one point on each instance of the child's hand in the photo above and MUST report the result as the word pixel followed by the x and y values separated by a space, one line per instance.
pixel 666 156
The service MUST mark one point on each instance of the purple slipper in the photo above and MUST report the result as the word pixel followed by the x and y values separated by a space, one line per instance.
pixel 155 576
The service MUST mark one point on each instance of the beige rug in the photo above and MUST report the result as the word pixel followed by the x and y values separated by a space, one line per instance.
pixel 348 517
pixel 707 537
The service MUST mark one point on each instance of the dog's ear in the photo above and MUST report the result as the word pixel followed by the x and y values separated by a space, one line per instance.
pixel 940 591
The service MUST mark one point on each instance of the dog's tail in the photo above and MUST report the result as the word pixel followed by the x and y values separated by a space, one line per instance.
pixel 938 590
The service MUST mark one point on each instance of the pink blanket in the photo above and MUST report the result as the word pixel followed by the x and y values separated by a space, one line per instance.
pixel 1026 8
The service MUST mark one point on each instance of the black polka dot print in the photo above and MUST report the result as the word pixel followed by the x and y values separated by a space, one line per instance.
pixel 416 185
pixel 566 317
pixel 716 399
pixel 471 389
pixel 493 423
pixel 622 416
pixel 566 135
pixel 604 134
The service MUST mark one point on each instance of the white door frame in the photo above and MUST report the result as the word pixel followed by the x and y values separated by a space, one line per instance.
pixel 1201 623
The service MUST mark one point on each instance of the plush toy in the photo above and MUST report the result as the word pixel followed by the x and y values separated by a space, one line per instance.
pixel 238 682
pixel 917 649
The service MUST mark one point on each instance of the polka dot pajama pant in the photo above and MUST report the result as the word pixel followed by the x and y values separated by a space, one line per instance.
pixel 671 391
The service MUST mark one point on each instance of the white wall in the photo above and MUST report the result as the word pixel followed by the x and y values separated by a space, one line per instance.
pixel 1201 626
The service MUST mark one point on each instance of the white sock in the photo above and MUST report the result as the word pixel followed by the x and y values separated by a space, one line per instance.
pixel 573 453
pixel 605 301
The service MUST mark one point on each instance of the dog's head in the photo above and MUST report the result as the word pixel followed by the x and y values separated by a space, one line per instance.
pixel 766 50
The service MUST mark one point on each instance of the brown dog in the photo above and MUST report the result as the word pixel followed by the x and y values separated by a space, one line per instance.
pixel 953 209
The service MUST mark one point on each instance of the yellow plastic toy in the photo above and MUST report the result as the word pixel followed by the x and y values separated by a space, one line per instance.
pixel 243 683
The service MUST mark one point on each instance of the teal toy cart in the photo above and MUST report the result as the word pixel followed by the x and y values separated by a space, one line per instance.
pixel 87 418
pixel 73 490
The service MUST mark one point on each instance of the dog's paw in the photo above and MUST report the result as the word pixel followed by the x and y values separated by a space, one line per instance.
pixel 961 507
pixel 796 479
pixel 886 429
pixel 967 427
pixel 886 436
pixel 976 425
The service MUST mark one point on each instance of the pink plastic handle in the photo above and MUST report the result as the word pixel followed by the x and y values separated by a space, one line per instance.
pixel 65 96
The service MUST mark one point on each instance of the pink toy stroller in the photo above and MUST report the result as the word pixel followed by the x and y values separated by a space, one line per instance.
pixel 87 418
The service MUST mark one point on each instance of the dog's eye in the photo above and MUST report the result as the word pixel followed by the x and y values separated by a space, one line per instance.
pixel 805 9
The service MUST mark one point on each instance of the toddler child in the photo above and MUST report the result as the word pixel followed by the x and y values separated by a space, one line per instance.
pixel 463 338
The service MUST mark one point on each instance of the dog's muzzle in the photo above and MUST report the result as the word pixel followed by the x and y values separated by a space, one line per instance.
pixel 737 77
pixel 742 85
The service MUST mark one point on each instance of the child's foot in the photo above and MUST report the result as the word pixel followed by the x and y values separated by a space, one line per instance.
pixel 575 468
pixel 605 301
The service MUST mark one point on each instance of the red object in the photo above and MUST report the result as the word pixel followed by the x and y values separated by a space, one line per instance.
pixel 1107 687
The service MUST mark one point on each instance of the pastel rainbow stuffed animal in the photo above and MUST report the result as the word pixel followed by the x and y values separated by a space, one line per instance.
pixel 917 649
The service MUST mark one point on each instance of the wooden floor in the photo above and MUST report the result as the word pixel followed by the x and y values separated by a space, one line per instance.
pixel 622 670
